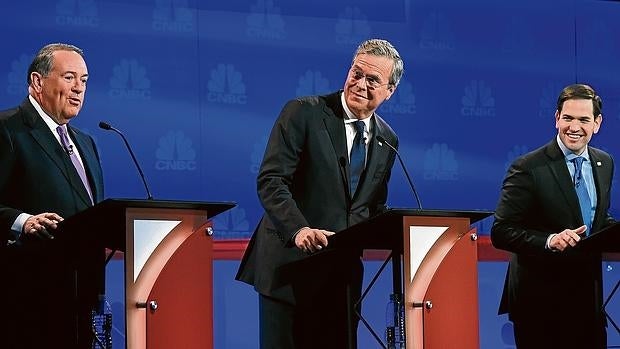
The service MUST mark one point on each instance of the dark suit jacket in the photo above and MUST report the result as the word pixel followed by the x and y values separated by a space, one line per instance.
pixel 538 199
pixel 37 176
pixel 304 181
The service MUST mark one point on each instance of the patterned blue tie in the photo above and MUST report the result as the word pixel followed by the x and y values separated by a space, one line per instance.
pixel 358 155
pixel 582 193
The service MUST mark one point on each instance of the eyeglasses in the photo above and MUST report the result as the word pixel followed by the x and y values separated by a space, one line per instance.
pixel 371 81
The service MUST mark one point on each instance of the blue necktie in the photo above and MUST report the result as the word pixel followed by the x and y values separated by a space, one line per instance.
pixel 582 193
pixel 358 155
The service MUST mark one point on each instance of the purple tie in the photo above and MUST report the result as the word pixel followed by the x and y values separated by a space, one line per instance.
pixel 62 132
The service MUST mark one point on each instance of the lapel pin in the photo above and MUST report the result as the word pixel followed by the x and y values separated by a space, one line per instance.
pixel 598 163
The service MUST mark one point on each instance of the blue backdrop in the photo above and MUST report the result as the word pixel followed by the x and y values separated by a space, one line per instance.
pixel 196 86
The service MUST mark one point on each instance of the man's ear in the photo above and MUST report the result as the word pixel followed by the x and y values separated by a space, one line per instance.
pixel 597 123
pixel 36 81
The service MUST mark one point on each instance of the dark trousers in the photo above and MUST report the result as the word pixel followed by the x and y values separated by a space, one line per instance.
pixel 319 319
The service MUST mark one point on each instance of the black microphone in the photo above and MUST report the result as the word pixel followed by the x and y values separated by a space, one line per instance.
pixel 415 193
pixel 106 126
pixel 342 161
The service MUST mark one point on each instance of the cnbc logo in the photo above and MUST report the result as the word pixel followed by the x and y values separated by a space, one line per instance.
pixel 548 99
pixel 478 101
pixel 436 34
pixel 175 153
pixel 265 21
pixel 312 83
pixel 129 81
pixel 77 13
pixel 402 102
pixel 352 26
pixel 226 86
pixel 513 154
pixel 232 224
pixel 17 77
pixel 173 16
pixel 440 163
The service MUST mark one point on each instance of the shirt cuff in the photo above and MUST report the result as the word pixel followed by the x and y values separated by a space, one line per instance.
pixel 548 243
pixel 18 225
pixel 295 235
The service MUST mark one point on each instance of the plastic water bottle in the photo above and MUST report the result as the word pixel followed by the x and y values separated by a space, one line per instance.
pixel 395 322
pixel 102 325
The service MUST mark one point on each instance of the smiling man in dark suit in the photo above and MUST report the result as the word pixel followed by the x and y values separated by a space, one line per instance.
pixel 313 183
pixel 549 201
pixel 49 171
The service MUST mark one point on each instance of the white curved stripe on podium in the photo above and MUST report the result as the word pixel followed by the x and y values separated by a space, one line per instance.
pixel 422 238
pixel 148 234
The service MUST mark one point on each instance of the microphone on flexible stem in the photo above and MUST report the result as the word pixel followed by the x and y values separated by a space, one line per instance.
pixel 415 193
pixel 342 161
pixel 108 127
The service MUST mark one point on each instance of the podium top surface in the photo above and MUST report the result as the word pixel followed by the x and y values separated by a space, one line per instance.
pixel 473 215
pixel 384 231
pixel 212 208
pixel 104 223
pixel 604 240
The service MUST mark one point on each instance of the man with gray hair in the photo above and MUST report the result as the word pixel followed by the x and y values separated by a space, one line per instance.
pixel 323 170
pixel 49 171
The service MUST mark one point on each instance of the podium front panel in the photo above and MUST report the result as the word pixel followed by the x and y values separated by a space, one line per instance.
pixel 163 246
pixel 183 293
pixel 441 282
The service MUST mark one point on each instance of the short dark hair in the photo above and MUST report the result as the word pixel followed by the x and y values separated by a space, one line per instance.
pixel 581 91
pixel 44 60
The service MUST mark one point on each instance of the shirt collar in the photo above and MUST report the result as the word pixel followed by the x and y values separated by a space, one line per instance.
pixel 48 119
pixel 568 154
pixel 350 117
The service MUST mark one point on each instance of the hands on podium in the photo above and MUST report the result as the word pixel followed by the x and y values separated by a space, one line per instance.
pixel 566 239
pixel 40 224
pixel 312 240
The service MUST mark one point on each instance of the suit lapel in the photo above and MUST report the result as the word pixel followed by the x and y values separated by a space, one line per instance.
pixel 45 139
pixel 602 174
pixel 333 119
pixel 559 170
pixel 89 159
pixel 378 153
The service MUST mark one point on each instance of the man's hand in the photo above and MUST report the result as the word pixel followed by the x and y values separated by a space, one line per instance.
pixel 312 240
pixel 567 238
pixel 40 225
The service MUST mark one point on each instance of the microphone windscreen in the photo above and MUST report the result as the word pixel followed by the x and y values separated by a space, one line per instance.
pixel 105 125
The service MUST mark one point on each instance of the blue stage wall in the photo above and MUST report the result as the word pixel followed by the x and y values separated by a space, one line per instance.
pixel 196 86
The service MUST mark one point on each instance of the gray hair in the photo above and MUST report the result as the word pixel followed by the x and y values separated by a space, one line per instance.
pixel 44 60
pixel 382 48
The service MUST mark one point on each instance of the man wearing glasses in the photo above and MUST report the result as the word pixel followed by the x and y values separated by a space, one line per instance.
pixel 323 171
